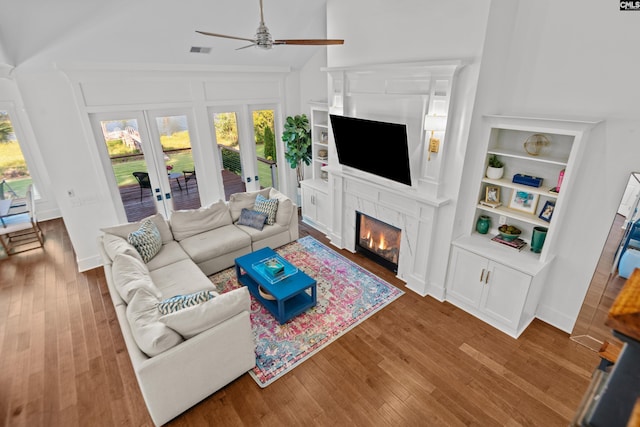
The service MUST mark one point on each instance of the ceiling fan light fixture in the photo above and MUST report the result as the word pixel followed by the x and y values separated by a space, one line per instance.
pixel 263 39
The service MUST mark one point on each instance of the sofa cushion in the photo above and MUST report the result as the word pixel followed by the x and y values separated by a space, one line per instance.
pixel 252 219
pixel 114 245
pixel 129 275
pixel 146 240
pixel 267 206
pixel 152 336
pixel 180 278
pixel 267 231
pixel 123 230
pixel 212 244
pixel 187 223
pixel 285 207
pixel 179 302
pixel 170 253
pixel 237 201
pixel 189 322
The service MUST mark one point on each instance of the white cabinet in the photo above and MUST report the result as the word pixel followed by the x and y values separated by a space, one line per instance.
pixel 315 201
pixel 497 283
pixel 315 188
pixel 491 291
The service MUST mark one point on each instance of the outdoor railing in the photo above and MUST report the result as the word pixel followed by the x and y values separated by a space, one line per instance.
pixel 231 162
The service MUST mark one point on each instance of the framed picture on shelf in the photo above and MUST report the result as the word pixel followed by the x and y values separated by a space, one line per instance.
pixel 491 196
pixel 524 201
pixel 547 211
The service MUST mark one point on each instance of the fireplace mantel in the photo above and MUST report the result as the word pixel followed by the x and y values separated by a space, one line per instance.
pixel 400 93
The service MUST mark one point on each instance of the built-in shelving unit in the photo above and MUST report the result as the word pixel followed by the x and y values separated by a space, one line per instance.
pixel 315 188
pixel 494 282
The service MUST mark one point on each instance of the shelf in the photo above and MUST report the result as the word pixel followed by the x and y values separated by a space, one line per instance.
pixel 321 125
pixel 525 261
pixel 511 213
pixel 542 190
pixel 321 144
pixel 518 154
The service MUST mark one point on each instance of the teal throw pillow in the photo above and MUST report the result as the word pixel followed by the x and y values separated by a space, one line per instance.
pixel 267 206
pixel 178 302
pixel 146 240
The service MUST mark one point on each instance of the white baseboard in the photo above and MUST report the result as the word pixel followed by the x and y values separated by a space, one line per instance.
pixel 555 318
pixel 89 263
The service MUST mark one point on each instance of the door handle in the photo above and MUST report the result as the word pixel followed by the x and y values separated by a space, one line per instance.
pixel 257 178
pixel 167 196
pixel 248 179
pixel 481 274
pixel 486 279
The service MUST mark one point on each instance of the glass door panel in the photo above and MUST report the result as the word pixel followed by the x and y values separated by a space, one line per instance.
pixel 14 174
pixel 177 157
pixel 265 147
pixel 228 139
pixel 123 144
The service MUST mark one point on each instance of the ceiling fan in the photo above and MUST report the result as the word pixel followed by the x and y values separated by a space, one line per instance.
pixel 264 40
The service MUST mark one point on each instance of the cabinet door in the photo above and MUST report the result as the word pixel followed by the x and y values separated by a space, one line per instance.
pixel 321 202
pixel 308 207
pixel 505 295
pixel 468 275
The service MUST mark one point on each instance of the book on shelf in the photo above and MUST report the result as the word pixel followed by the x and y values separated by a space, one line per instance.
pixel 490 204
pixel 517 243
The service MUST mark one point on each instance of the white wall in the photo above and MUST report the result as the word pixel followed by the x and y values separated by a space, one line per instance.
pixel 543 58
pixel 572 60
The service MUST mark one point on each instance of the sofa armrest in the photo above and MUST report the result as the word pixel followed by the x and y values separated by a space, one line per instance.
pixel 179 378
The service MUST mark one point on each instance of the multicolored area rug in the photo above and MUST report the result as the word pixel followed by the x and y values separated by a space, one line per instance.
pixel 347 295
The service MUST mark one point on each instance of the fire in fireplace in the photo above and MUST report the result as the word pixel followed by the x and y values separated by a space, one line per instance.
pixel 378 241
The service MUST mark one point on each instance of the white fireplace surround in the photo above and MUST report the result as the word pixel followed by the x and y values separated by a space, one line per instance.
pixel 401 93
pixel 416 217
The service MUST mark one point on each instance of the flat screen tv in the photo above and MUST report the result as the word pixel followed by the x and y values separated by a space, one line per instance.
pixel 379 148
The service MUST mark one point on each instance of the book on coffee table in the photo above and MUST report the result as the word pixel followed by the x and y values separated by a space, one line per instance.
pixel 516 243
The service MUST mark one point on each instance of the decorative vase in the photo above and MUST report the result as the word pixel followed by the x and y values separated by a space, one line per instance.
pixel 495 173
pixel 537 238
pixel 483 224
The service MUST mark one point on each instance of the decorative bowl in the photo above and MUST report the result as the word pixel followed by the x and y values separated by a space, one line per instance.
pixel 509 232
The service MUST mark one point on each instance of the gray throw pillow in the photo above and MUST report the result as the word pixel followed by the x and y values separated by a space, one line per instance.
pixel 253 219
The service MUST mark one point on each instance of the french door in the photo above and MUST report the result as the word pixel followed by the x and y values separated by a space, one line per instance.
pixel 147 158
pixel 245 135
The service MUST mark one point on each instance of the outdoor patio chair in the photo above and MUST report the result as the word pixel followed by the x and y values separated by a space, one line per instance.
pixel 187 176
pixel 143 181
pixel 22 230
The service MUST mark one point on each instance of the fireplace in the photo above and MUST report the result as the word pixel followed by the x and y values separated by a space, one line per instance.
pixel 378 241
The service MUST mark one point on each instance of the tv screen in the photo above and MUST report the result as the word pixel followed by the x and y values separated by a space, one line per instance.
pixel 371 146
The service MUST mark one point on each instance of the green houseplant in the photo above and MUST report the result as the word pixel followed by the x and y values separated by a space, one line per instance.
pixel 297 140
pixel 495 168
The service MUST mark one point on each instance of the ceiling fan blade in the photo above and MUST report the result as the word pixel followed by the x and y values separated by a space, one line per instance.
pixel 225 36
pixel 318 42
pixel 244 47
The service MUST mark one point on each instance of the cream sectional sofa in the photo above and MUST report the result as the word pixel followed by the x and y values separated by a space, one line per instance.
pixel 182 357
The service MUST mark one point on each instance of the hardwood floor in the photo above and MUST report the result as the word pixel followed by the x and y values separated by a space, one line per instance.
pixel 418 361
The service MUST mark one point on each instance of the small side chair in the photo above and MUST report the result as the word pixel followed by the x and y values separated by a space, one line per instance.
pixel 22 232
pixel 187 176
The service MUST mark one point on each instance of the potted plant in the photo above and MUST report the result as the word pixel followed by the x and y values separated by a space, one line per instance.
pixel 297 140
pixel 495 169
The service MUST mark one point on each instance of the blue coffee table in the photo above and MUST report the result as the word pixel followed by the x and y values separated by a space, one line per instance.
pixel 293 292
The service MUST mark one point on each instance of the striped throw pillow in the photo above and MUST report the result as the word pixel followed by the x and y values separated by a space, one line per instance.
pixel 146 240
pixel 267 206
pixel 178 302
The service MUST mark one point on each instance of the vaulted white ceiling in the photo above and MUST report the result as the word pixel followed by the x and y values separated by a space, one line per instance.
pixel 156 31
